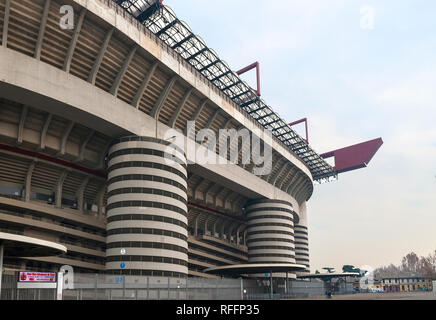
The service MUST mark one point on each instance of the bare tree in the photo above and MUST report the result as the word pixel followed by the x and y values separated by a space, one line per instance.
pixel 410 262
pixel 426 266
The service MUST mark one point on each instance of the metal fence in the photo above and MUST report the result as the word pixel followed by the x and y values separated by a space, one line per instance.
pixel 109 287
pixel 112 287
pixel 10 291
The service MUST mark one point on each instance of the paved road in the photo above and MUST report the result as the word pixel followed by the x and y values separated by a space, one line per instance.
pixel 382 296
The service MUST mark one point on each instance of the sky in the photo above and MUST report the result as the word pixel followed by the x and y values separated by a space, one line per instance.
pixel 358 71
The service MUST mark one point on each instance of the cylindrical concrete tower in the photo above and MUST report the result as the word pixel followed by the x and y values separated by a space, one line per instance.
pixel 302 240
pixel 270 232
pixel 147 208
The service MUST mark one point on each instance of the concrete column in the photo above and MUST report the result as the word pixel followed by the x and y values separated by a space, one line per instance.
pixel 100 202
pixel 196 225
pixel 80 194
pixel 270 232
pixel 302 240
pixel 58 190
pixel 29 181
pixel 147 208
pixel 214 228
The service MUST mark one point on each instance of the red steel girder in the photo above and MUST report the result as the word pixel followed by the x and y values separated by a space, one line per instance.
pixel 250 67
pixel 354 157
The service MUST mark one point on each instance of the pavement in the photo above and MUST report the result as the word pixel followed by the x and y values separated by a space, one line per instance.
pixel 380 296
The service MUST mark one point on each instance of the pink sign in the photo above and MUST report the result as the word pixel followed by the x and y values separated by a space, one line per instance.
pixel 37 277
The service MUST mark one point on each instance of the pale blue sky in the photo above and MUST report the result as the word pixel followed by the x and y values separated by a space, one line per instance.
pixel 353 85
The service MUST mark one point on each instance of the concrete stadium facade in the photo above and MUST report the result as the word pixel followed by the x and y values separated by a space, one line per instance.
pixel 83 119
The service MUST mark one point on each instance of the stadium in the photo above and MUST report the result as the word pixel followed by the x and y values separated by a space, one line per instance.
pixel 85 113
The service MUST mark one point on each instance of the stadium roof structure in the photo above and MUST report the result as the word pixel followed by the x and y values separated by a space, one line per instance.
pixel 163 22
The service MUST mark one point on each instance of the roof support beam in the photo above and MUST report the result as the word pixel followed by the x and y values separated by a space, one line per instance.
pixel 58 191
pixel 250 165
pixel 65 137
pixel 83 145
pixel 100 201
pixel 284 134
pixel 220 191
pixel 290 173
pixel 302 191
pixel 258 109
pixel 42 29
pixel 195 55
pixel 296 185
pixel 291 184
pixel 243 146
pixel 197 218
pixel 179 108
pixel 222 138
pixel 199 110
pixel 205 192
pixel 167 27
pixel 6 23
pixel 300 188
pixel 234 204
pixel 212 119
pixel 163 97
pixel 235 226
pixel 229 86
pixel 281 127
pixel 28 185
pixel 73 42
pixel 214 227
pixel 209 65
pixel 271 122
pixel 283 169
pixel 44 131
pixel 265 116
pixel 223 229
pixel 238 232
pixel 227 196
pixel 241 94
pixel 178 44
pixel 102 161
pixel 144 85
pixel 80 194
pixel 232 197
pixel 222 75
pixel 23 117
pixel 122 72
pixel 206 221
pixel 273 177
pixel 250 102
pixel 97 63
pixel 195 188
pixel 194 118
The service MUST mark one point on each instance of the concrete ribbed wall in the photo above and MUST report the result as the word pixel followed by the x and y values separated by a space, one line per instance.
pixel 302 239
pixel 147 208
pixel 270 232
